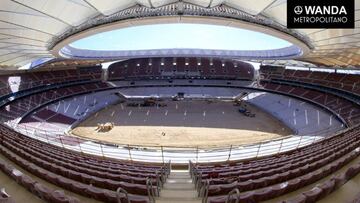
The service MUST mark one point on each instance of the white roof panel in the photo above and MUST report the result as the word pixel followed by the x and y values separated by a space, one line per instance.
pixel 108 7
pixel 27 26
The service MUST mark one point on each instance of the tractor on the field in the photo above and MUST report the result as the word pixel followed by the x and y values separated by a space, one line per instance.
pixel 104 127
pixel 149 102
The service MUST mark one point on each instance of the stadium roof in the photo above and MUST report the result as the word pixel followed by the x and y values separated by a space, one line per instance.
pixel 33 29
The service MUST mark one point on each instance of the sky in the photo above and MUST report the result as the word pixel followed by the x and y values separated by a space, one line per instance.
pixel 167 36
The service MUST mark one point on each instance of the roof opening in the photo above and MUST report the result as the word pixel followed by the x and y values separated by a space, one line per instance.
pixel 181 35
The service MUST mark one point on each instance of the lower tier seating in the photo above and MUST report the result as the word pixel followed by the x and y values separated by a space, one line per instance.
pixel 19 107
pixel 323 189
pixel 348 110
pixel 99 178
pixel 267 178
pixel 38 189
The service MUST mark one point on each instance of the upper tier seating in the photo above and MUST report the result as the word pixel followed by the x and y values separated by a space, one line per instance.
pixel 181 68
pixel 87 175
pixel 348 110
pixel 346 82
pixel 267 178
pixel 22 81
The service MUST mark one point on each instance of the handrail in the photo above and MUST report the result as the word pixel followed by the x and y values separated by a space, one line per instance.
pixel 159 182
pixel 95 148
pixel 168 169
pixel 235 190
pixel 191 169
pixel 118 197
pixel 217 154
pixel 202 189
pixel 150 189
pixel 198 184
pixel 189 148
pixel 205 192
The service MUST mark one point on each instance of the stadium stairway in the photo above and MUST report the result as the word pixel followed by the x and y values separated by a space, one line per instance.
pixel 178 188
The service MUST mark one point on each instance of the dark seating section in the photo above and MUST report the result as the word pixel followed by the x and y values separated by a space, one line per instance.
pixel 267 178
pixel 28 80
pixel 19 107
pixel 348 110
pixel 38 189
pixel 87 175
pixel 346 82
pixel 166 68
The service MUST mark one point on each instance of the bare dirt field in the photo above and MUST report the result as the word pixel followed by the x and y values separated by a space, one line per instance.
pixel 183 124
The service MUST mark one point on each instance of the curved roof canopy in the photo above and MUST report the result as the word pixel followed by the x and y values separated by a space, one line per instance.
pixel 31 29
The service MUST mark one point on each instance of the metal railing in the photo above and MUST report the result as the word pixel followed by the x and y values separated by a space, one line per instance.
pixel 163 154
